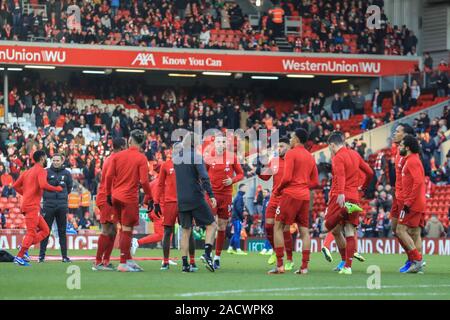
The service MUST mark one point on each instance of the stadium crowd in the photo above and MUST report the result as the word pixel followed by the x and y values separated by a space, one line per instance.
pixel 328 25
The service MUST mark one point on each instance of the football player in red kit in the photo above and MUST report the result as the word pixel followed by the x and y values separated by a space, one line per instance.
pixel 411 217
pixel 31 185
pixel 343 206
pixel 107 218
pixel 300 174
pixel 223 172
pixel 275 169
pixel 128 170
pixel 401 131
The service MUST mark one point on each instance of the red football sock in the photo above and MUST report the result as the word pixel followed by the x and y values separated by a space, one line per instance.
pixel 288 244
pixel 109 249
pixel 191 259
pixel 280 253
pixel 125 245
pixel 414 254
pixel 305 258
pixel 342 252
pixel 166 260
pixel 328 239
pixel 356 242
pixel 103 241
pixel 269 233
pixel 219 242
pixel 350 251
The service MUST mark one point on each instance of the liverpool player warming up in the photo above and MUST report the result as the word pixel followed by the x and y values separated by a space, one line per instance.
pixel 129 169
pixel 276 169
pixel 343 206
pixel 31 186
pixel 300 174
pixel 107 218
pixel 224 173
pixel 401 131
pixel 413 190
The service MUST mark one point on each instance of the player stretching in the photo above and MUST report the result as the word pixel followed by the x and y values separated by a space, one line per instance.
pixel 31 186
pixel 343 206
pixel 129 168
pixel 401 131
pixel 300 174
pixel 413 191
pixel 223 174
pixel 108 219
pixel 276 169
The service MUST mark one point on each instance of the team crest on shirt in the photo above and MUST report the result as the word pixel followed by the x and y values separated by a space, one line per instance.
pixel 227 168
pixel 171 170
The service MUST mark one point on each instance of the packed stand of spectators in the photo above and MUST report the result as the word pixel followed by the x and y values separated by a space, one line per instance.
pixel 341 27
pixel 191 24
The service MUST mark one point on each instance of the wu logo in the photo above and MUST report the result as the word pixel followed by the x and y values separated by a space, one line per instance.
pixel 143 59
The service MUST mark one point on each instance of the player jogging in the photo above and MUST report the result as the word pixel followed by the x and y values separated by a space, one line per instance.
pixel 276 169
pixel 223 174
pixel 300 174
pixel 342 213
pixel 401 131
pixel 129 169
pixel 411 216
pixel 108 219
pixel 31 185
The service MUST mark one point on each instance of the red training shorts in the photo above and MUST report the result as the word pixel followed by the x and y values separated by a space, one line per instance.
pixel 107 214
pixel 412 219
pixel 335 213
pixel 271 210
pixel 397 206
pixel 170 213
pixel 127 213
pixel 292 210
pixel 224 206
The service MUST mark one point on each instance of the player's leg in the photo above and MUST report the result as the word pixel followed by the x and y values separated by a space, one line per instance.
pixel 270 221
pixel 415 234
pixel 302 219
pixel 341 245
pixel 278 238
pixel 49 217
pixel 326 247
pixel 413 254
pixel 61 223
pixel 349 230
pixel 185 236
pixel 395 213
pixel 192 264
pixel 42 230
pixel 234 238
pixel 111 233
pixel 358 256
pixel 288 248
pixel 31 222
pixel 204 217
pixel 168 231
pixel 237 239
pixel 221 230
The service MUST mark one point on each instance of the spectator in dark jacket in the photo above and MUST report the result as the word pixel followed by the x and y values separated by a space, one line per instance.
pixel 237 218
pixel 336 107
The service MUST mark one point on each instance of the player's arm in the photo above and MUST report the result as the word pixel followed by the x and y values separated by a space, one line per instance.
pixel 69 183
pixel 412 169
pixel 314 178
pixel 364 167
pixel 18 185
pixel 239 173
pixel 43 184
pixel 143 179
pixel 160 186
pixel 287 174
pixel 204 179
pixel 339 179
pixel 109 176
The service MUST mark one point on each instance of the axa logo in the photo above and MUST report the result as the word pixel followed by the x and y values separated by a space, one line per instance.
pixel 143 59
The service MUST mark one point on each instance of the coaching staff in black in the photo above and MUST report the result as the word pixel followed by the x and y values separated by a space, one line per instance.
pixel 192 181
pixel 55 204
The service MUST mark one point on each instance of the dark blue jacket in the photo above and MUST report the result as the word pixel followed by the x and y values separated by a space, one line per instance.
pixel 238 206
pixel 58 177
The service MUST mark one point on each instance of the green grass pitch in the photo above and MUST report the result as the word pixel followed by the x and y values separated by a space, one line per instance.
pixel 241 277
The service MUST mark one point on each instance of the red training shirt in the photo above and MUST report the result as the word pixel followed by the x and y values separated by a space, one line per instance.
pixel 31 185
pixel 101 195
pixel 167 184
pixel 346 166
pixel 300 174
pixel 128 169
pixel 277 171
pixel 224 169
pixel 399 164
pixel 413 183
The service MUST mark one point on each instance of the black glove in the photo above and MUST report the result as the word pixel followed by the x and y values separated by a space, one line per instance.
pixel 406 209
pixel 158 210
pixel 109 200
pixel 150 206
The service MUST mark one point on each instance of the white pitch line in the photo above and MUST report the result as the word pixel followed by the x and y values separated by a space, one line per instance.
pixel 273 291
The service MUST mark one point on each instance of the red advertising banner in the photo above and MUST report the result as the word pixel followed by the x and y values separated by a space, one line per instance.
pixel 204 60
pixel 439 246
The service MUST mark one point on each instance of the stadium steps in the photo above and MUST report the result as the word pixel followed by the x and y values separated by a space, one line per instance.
pixel 283 44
